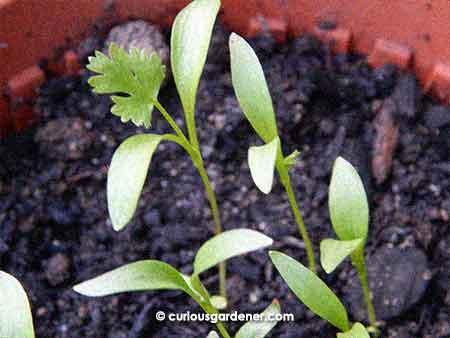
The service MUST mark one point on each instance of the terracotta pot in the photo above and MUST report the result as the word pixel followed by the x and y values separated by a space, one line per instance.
pixel 412 34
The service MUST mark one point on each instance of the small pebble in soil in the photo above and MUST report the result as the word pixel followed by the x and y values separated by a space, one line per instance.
pixel 57 269
pixel 142 35
pixel 398 279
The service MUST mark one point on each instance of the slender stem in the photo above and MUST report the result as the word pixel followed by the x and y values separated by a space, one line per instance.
pixel 299 219
pixel 360 266
pixel 193 148
pixel 212 311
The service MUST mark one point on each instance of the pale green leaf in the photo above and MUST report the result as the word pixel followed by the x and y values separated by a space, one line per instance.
pixel 260 329
pixel 226 245
pixel 15 312
pixel 135 76
pixel 261 160
pixel 143 275
pixel 219 302
pixel 291 159
pixel 358 331
pixel 347 201
pixel 251 88
pixel 333 252
pixel 191 35
pixel 126 176
pixel 213 334
pixel 311 290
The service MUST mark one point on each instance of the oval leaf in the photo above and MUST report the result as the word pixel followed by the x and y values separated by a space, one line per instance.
pixel 15 313
pixel 251 88
pixel 126 176
pixel 347 201
pixel 138 276
pixel 191 34
pixel 260 329
pixel 311 290
pixel 358 331
pixel 261 160
pixel 333 252
pixel 227 245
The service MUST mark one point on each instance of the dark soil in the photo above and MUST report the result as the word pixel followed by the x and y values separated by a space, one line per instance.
pixel 55 230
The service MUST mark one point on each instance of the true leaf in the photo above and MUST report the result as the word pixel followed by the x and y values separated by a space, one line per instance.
pixel 347 201
pixel 191 34
pixel 136 76
pixel 358 331
pixel 213 334
pixel 138 276
pixel 15 312
pixel 227 245
pixel 261 160
pixel 333 252
pixel 251 88
pixel 260 329
pixel 290 160
pixel 311 290
pixel 126 176
pixel 219 302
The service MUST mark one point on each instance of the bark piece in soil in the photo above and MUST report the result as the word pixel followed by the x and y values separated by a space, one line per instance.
pixel 407 96
pixel 385 142
pixel 398 279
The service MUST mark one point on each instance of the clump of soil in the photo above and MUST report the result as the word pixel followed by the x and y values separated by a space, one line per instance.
pixel 55 230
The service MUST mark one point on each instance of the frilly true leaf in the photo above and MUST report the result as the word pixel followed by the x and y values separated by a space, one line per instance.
pixel 219 302
pixel 311 290
pixel 358 331
pixel 251 89
pixel 226 245
pixel 260 329
pixel 143 275
pixel 135 76
pixel 291 159
pixel 15 313
pixel 261 161
pixel 191 35
pixel 349 210
pixel 126 176
pixel 333 252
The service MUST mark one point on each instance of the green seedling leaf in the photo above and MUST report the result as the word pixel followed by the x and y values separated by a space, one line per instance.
pixel 15 313
pixel 135 76
pixel 311 290
pixel 347 201
pixel 226 245
pixel 213 334
pixel 333 252
pixel 126 176
pixel 291 159
pixel 358 331
pixel 143 275
pixel 260 329
pixel 251 88
pixel 191 34
pixel 219 302
pixel 261 160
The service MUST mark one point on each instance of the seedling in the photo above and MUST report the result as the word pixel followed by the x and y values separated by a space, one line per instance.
pixel 15 312
pixel 254 98
pixel 316 295
pixel 349 212
pixel 137 78
pixel 150 275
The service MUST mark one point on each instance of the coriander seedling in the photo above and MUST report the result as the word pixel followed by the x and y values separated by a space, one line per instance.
pixel 349 212
pixel 316 295
pixel 149 275
pixel 254 98
pixel 137 79
pixel 15 313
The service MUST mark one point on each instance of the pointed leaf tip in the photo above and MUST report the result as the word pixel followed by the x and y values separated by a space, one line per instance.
pixel 261 161
pixel 333 252
pixel 358 331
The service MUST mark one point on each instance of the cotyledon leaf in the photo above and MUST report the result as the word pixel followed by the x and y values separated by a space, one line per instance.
pixel 126 176
pixel 358 331
pixel 15 313
pixel 333 252
pixel 261 161
pixel 260 328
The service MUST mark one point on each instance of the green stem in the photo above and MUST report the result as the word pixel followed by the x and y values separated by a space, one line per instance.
pixel 359 263
pixel 299 219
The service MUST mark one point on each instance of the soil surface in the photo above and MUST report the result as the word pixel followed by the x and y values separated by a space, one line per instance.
pixel 54 224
